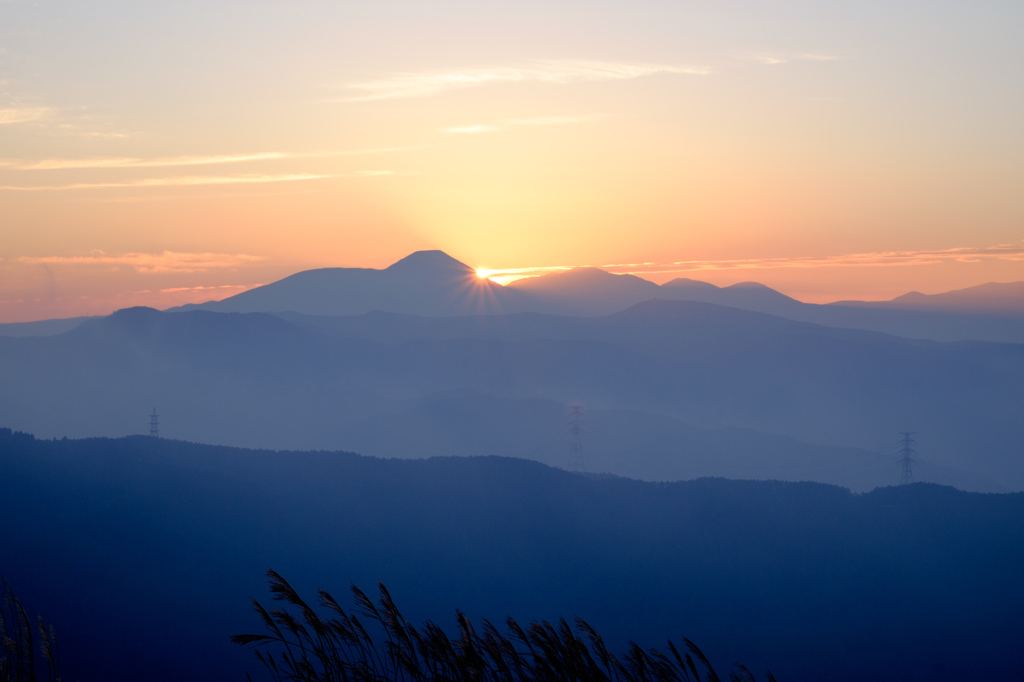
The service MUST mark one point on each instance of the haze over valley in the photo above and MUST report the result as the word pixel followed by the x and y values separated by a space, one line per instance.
pixel 673 389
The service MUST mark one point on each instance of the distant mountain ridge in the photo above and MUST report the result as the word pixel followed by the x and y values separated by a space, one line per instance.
pixel 663 381
pixel 433 284
pixel 428 283
pixel 992 297
pixel 42 327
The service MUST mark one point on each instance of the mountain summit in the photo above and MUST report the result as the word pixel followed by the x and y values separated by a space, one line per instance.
pixel 430 283
pixel 429 263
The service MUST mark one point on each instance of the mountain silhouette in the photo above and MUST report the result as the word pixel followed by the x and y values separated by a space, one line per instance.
pixel 433 284
pixel 140 548
pixel 993 297
pixel 423 283
pixel 585 291
pixel 592 291
pixel 744 295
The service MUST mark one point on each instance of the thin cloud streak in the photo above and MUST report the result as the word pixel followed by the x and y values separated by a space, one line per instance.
pixel 776 59
pixel 402 85
pixel 512 122
pixel 62 164
pixel 552 120
pixel 150 263
pixel 470 130
pixel 200 289
pixel 191 181
pixel 23 115
pixel 169 162
pixel 1009 252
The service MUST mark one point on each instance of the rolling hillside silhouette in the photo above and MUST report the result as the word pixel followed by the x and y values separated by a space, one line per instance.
pixel 144 553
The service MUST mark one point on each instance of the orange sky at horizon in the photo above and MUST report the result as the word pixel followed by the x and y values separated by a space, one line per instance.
pixel 160 155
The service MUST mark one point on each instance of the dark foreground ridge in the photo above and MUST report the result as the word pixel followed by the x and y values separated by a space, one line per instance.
pixel 145 553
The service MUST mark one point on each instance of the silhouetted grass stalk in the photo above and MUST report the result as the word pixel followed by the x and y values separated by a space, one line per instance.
pixel 340 648
pixel 17 656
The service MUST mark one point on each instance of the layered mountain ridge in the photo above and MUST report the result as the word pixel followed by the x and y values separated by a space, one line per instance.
pixel 432 283
pixel 673 390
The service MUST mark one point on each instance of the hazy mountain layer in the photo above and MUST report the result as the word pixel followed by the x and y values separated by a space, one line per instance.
pixel 42 327
pixel 661 382
pixel 993 297
pixel 434 284
pixel 992 312
pixel 431 283
pixel 423 283
pixel 144 554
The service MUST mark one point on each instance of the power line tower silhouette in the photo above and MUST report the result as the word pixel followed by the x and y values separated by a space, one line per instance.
pixel 154 424
pixel 907 444
pixel 576 438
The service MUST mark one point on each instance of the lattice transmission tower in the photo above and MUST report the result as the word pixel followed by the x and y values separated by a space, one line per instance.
pixel 154 424
pixel 576 438
pixel 907 445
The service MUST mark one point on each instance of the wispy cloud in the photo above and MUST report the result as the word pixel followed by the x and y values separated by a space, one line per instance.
pixel 1010 252
pixel 166 261
pixel 189 181
pixel 773 59
pixel 552 120
pixel 122 162
pixel 422 84
pixel 177 161
pixel 470 130
pixel 511 122
pixel 23 114
pixel 214 289
pixel 140 198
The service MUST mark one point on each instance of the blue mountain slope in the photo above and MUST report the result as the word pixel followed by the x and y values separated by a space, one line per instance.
pixel 140 549
pixel 424 283
pixel 431 283
pixel 993 297
pixel 259 380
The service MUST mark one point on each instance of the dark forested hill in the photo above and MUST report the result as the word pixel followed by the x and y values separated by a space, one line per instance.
pixel 144 553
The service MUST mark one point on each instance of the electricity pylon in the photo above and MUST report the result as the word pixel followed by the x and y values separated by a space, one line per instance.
pixel 907 457
pixel 575 438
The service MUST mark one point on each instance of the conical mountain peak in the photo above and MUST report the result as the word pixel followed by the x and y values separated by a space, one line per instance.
pixel 428 261
pixel 687 283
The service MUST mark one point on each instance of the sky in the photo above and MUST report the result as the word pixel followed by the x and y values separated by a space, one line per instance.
pixel 164 153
